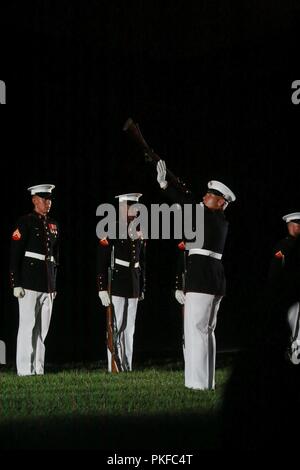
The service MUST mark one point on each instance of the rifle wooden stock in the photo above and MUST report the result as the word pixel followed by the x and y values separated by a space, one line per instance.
pixel 109 337
pixel 110 327
pixel 183 289
pixel 133 130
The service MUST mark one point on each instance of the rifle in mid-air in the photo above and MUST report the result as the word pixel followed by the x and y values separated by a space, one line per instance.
pixel 134 131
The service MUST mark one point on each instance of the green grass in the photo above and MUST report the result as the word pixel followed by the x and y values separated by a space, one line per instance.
pixel 83 408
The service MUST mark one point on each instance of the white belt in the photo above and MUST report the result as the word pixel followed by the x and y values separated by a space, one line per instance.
pixel 200 251
pixel 126 263
pixel 30 254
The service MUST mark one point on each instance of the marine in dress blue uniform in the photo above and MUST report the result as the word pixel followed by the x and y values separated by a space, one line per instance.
pixel 33 267
pixel 126 257
pixel 284 267
pixel 205 283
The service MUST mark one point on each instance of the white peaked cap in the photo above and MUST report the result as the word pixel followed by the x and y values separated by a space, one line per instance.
pixel 45 189
pixel 224 191
pixel 129 197
pixel 293 217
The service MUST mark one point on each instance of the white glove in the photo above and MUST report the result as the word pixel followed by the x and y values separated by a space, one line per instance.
pixel 104 297
pixel 161 173
pixel 294 352
pixel 180 297
pixel 19 292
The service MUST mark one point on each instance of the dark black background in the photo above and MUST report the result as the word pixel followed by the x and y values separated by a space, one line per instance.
pixel 209 84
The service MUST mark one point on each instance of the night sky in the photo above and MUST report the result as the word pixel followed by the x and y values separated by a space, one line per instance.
pixel 209 84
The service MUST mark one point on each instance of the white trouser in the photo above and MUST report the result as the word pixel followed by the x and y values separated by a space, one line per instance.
pixel 200 318
pixel 35 310
pixel 293 321
pixel 124 315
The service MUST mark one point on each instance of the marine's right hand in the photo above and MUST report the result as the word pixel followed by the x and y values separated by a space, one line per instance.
pixel 180 297
pixel 104 297
pixel 19 292
pixel 161 173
